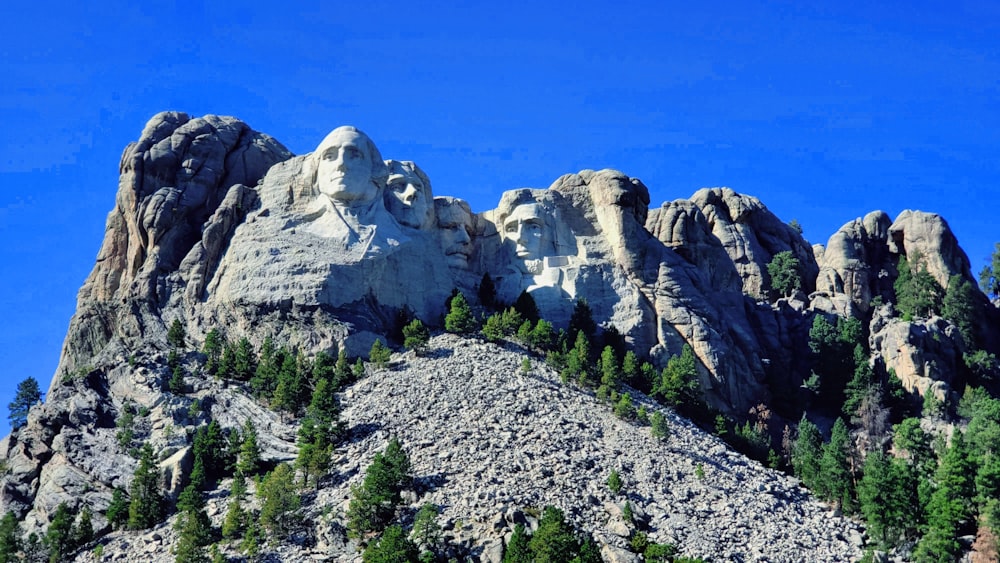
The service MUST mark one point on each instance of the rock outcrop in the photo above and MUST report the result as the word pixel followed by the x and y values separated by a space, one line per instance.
pixel 856 265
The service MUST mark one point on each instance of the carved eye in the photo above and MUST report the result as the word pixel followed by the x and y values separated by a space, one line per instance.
pixel 352 152
pixel 511 227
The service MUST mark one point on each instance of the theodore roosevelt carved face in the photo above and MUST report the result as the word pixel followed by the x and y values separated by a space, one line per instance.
pixel 454 219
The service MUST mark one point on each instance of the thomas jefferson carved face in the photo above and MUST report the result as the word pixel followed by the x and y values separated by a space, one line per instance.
pixel 454 218
pixel 408 195
pixel 525 229
pixel 345 166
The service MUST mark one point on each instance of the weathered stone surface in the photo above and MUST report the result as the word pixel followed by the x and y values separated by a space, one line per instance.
pixel 921 352
pixel 929 235
pixel 752 235
pixel 856 263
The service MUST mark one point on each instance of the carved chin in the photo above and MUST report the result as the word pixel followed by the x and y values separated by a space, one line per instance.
pixel 457 260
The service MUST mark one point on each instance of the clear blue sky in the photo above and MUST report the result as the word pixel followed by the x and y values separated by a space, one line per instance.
pixel 823 112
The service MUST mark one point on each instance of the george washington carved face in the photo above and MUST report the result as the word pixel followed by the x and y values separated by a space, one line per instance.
pixel 349 169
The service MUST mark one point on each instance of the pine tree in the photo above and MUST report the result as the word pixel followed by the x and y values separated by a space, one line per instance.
pixel 176 385
pixel 291 385
pixel 83 531
pixel 518 550
pixel 460 319
pixel 212 348
pixel 658 426
pixel 835 473
pixel 487 292
pixel 379 355
pixel 582 319
pixel 678 383
pixel 227 363
pixel 58 538
pixel 147 506
pixel 245 359
pixel 10 538
pixel 248 461
pixel 176 336
pixel 950 503
pixel 615 482
pixel 611 372
pixel 392 547
pixel 235 521
pixel 416 336
pixel 426 532
pixel 989 276
pixel 117 512
pixel 27 395
pixel 278 499
pixel 554 540
pixel 958 306
pixel 806 453
pixel 783 270
pixel 526 306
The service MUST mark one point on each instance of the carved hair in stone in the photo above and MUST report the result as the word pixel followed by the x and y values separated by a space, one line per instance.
pixel 408 195
pixel 455 221
pixel 528 230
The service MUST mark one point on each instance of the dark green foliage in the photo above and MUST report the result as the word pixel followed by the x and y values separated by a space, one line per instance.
pixel 373 502
pixel 518 550
pixel 958 306
pixel 615 483
pixel 379 355
pixel 660 553
pixel 315 449
pixel 950 503
pixel 193 526
pixel 784 270
pixel 213 348
pixel 10 538
pixel 58 538
pixel 292 390
pixel 416 336
pixel 236 518
pixel 278 499
pixel 27 395
pixel 264 379
pixel 525 305
pixel 555 539
pixel 543 336
pixel 176 384
pixel 861 385
pixel 835 483
pixel 658 426
pixel 503 325
pixel 460 319
pixel 487 292
pixel 983 365
pixel 117 512
pixel 248 460
pixel 227 362
pixel 806 453
pixel 611 371
pixel 624 408
pixel 989 276
pixel 176 336
pixel 426 532
pixel 582 319
pixel 245 359
pixel 887 499
pixel 918 294
pixel 578 361
pixel 146 507
pixel 833 349
pixel 83 531
pixel 211 448
pixel 392 547
pixel 678 384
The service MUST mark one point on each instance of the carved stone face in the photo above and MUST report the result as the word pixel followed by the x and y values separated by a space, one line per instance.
pixel 408 196
pixel 525 229
pixel 344 170
pixel 455 221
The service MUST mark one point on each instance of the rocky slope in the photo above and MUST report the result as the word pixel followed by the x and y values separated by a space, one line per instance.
pixel 489 444
pixel 216 225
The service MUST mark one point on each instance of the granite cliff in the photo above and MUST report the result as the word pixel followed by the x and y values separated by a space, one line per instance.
pixel 220 227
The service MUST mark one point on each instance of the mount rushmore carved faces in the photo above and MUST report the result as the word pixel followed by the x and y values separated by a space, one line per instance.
pixel 408 195
pixel 454 219
pixel 525 228
pixel 350 170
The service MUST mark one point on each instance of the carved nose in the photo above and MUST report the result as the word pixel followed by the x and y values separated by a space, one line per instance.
pixel 463 236
pixel 410 194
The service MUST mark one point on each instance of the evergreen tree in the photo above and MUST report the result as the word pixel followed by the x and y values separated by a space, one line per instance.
pixel 227 363
pixel 83 531
pixel 460 319
pixel 958 306
pixel 658 426
pixel 806 453
pixel 426 532
pixel 950 504
pixel 392 547
pixel 212 348
pixel 176 385
pixel 918 294
pixel 146 507
pixel 248 461
pixel 784 270
pixel 379 355
pixel 27 395
pixel 278 499
pixel 289 393
pixel 861 385
pixel 518 550
pixel 526 306
pixel 10 538
pixel 194 533
pixel 416 336
pixel 554 540
pixel 615 483
pixel 989 276
pixel 58 538
pixel 176 336
pixel 372 503
pixel 887 498
pixel 487 293
pixel 235 521
pixel 245 359
pixel 543 336
pixel 611 372
pixel 835 472
pixel 117 512
pixel 678 383
pixel 582 319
